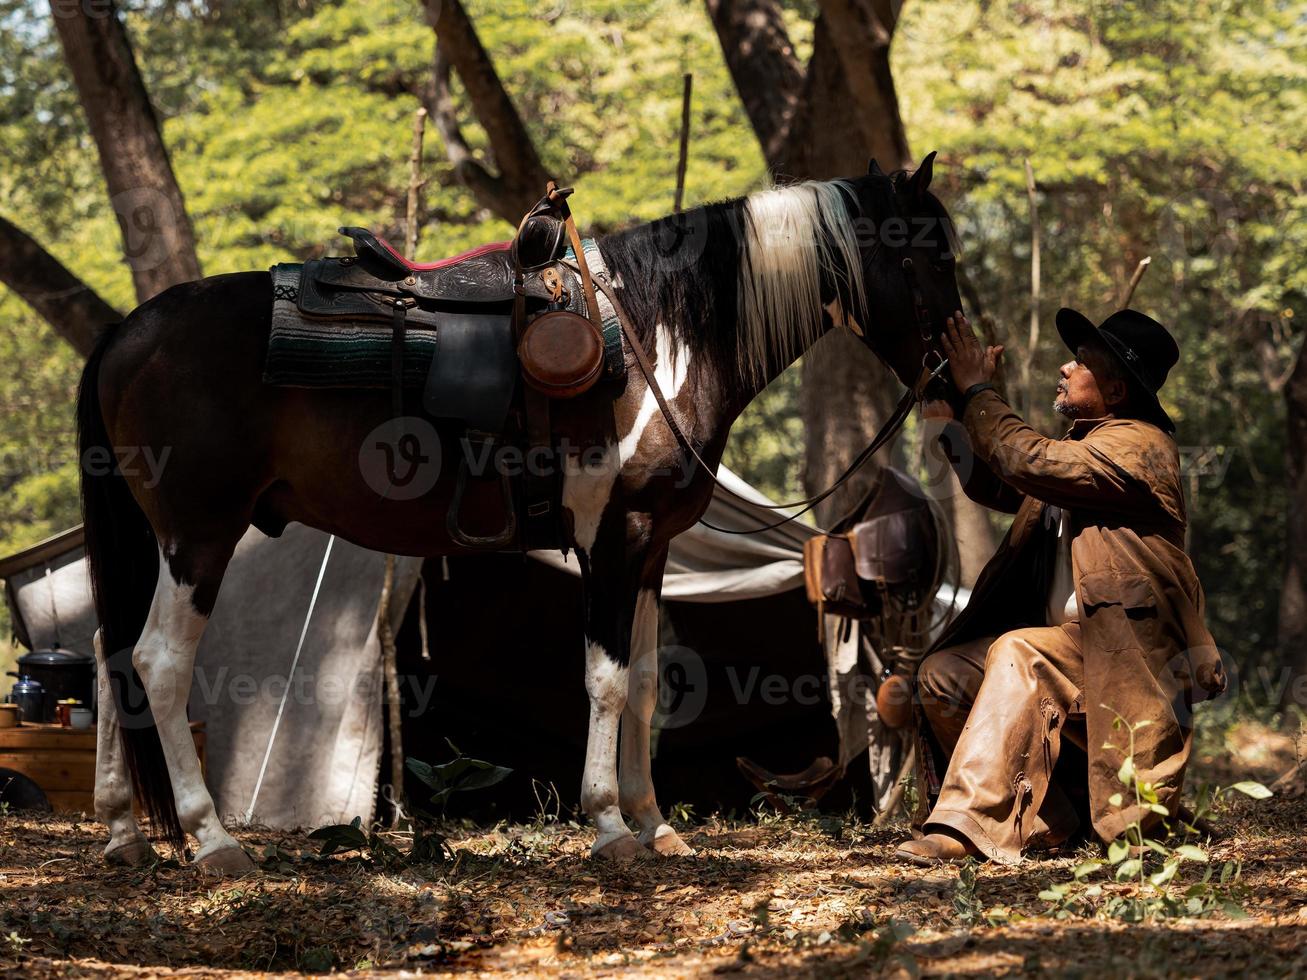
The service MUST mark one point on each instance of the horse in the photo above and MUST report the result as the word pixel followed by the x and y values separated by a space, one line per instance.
pixel 761 279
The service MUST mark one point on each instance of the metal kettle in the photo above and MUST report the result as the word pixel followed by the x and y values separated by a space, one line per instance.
pixel 29 695
pixel 61 674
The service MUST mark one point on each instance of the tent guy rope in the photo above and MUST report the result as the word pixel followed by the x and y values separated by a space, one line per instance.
pixel 285 691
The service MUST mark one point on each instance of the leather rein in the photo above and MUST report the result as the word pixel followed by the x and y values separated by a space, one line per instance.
pixel 888 431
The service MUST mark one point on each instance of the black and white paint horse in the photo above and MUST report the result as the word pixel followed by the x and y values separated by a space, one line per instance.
pixel 767 276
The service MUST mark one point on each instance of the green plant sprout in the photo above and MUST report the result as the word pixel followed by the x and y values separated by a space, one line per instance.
pixel 1152 886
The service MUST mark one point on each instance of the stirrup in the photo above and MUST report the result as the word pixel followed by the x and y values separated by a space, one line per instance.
pixel 500 539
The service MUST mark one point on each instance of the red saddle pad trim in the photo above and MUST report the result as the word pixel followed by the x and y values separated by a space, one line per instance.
pixel 452 260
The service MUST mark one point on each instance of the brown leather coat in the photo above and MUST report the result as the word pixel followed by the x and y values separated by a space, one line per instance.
pixel 1147 652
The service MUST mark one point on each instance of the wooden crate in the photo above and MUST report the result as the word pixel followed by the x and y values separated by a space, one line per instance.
pixel 62 761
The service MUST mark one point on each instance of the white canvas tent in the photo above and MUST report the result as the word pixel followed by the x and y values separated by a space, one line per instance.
pixel 322 765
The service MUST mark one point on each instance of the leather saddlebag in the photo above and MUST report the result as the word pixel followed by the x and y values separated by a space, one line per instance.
pixel 893 552
pixel 831 577
pixel 562 354
pixel 896 551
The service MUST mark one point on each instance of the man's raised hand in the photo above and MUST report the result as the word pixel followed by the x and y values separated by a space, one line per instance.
pixel 969 362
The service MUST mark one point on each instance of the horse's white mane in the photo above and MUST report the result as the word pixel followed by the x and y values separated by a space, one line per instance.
pixel 791 235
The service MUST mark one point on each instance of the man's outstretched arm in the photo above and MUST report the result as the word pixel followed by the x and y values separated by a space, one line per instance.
pixel 978 481
pixel 1095 471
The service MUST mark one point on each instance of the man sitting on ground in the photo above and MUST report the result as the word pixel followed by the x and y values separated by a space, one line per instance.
pixel 1089 611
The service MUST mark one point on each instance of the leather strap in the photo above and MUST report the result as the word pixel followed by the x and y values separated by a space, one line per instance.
pixel 887 431
pixel 540 490
pixel 583 267
pixel 976 389
pixel 398 329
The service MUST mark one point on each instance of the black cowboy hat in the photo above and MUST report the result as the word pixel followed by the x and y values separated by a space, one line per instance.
pixel 1143 346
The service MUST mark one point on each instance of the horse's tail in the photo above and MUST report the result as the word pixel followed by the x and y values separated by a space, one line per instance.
pixel 123 557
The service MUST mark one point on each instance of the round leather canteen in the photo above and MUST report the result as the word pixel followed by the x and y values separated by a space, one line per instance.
pixel 894 701
pixel 562 354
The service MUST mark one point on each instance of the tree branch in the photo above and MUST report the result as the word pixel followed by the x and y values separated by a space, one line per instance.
pixel 762 62
pixel 158 240
pixel 522 176
pixel 72 308
pixel 488 189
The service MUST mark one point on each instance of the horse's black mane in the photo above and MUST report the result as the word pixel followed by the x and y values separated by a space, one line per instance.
pixel 683 270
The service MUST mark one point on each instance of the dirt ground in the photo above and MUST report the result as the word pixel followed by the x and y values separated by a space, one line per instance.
pixel 768 897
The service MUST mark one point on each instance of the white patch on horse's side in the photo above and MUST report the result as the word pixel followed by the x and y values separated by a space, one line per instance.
pixel 671 371
pixel 586 491
pixel 792 235
pixel 165 657
pixel 841 319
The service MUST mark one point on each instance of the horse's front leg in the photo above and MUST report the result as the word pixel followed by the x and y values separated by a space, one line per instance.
pixel 610 570
pixel 636 789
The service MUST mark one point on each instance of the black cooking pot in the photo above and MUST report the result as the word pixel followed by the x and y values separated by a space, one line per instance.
pixel 63 674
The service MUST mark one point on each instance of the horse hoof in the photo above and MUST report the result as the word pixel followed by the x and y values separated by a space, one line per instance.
pixel 226 861
pixel 130 854
pixel 667 843
pixel 620 850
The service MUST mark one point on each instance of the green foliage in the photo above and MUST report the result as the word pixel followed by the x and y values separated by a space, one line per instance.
pixel 1170 128
pixel 968 906
pixel 766 445
pixel 367 846
pixel 461 774
pixel 1146 880
pixel 1166 128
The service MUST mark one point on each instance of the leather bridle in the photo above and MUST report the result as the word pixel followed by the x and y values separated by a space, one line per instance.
pixel 922 321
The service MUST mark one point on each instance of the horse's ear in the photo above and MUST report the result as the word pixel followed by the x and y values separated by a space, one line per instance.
pixel 873 168
pixel 921 179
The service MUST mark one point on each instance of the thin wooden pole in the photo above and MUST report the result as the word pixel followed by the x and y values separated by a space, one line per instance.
pixel 385 627
pixel 394 708
pixel 1033 344
pixel 896 794
pixel 685 140
pixel 414 184
pixel 1140 269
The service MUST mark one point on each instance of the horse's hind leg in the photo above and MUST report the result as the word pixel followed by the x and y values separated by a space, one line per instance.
pixel 164 657
pixel 635 785
pixel 113 787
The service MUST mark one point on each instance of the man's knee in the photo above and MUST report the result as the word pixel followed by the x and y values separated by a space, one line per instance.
pixel 1015 651
pixel 933 674
pixel 946 688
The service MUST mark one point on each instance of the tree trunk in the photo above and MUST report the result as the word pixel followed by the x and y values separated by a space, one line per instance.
pixel 971 528
pixel 521 179
pixel 762 63
pixel 859 33
pixel 845 400
pixel 72 308
pixel 158 241
pixel 1293 595
pixel 845 111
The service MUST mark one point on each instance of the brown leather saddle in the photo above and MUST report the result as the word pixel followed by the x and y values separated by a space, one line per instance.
pixel 513 326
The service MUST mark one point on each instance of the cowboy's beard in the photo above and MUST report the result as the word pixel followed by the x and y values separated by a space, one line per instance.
pixel 1063 405
pixel 1066 409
